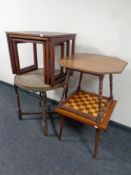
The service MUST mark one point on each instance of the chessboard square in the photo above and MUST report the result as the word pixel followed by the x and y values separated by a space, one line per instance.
pixel 91 103
pixel 95 108
pixel 79 104
pixel 76 101
pixel 83 98
pixel 94 114
pixel 89 98
pixel 74 98
pixel 85 104
pixel 92 110
pixel 85 111
pixel 81 108
pixel 89 106
pixel 95 105
pixel 76 107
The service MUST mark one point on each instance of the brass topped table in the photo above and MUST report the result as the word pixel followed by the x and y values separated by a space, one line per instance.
pixel 33 81
pixel 87 107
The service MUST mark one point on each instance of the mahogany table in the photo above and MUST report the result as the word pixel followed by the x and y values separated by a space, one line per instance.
pixel 33 78
pixel 49 40
pixel 92 109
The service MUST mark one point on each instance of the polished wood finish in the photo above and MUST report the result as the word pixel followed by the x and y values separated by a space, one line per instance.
pixel 49 40
pixel 95 64
pixel 97 140
pixel 99 66
pixel 100 112
pixel 86 120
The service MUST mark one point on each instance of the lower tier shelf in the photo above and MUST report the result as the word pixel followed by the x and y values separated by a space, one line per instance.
pixel 83 106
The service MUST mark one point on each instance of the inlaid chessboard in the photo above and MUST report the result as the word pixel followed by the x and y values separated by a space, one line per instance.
pixel 85 104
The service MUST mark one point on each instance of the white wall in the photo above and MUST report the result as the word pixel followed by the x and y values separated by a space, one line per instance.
pixel 102 27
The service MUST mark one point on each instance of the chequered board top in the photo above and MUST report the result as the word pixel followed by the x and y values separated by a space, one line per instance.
pixel 86 103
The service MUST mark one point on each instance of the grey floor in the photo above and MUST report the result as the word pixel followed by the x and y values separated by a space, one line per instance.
pixel 25 151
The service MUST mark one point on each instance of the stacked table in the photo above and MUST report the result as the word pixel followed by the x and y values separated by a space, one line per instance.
pixel 32 77
pixel 49 40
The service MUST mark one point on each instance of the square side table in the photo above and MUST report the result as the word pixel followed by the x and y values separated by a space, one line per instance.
pixel 49 40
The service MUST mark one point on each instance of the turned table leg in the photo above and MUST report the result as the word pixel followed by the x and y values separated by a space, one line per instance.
pixel 44 107
pixel 18 102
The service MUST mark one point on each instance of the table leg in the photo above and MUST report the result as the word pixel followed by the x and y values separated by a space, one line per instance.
pixel 97 140
pixel 100 113
pixel 61 128
pixel 45 117
pixel 111 86
pixel 18 102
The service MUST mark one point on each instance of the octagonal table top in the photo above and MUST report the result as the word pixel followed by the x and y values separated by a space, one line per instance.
pixel 92 63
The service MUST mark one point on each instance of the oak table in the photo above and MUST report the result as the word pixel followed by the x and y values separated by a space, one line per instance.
pixel 90 108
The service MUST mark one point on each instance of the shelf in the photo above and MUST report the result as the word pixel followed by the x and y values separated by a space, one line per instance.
pixel 84 106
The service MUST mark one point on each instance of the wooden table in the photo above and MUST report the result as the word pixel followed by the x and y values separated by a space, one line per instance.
pixel 49 40
pixel 33 81
pixel 33 78
pixel 92 109
pixel 94 64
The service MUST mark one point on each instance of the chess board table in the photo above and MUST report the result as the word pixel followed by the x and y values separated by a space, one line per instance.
pixel 90 108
